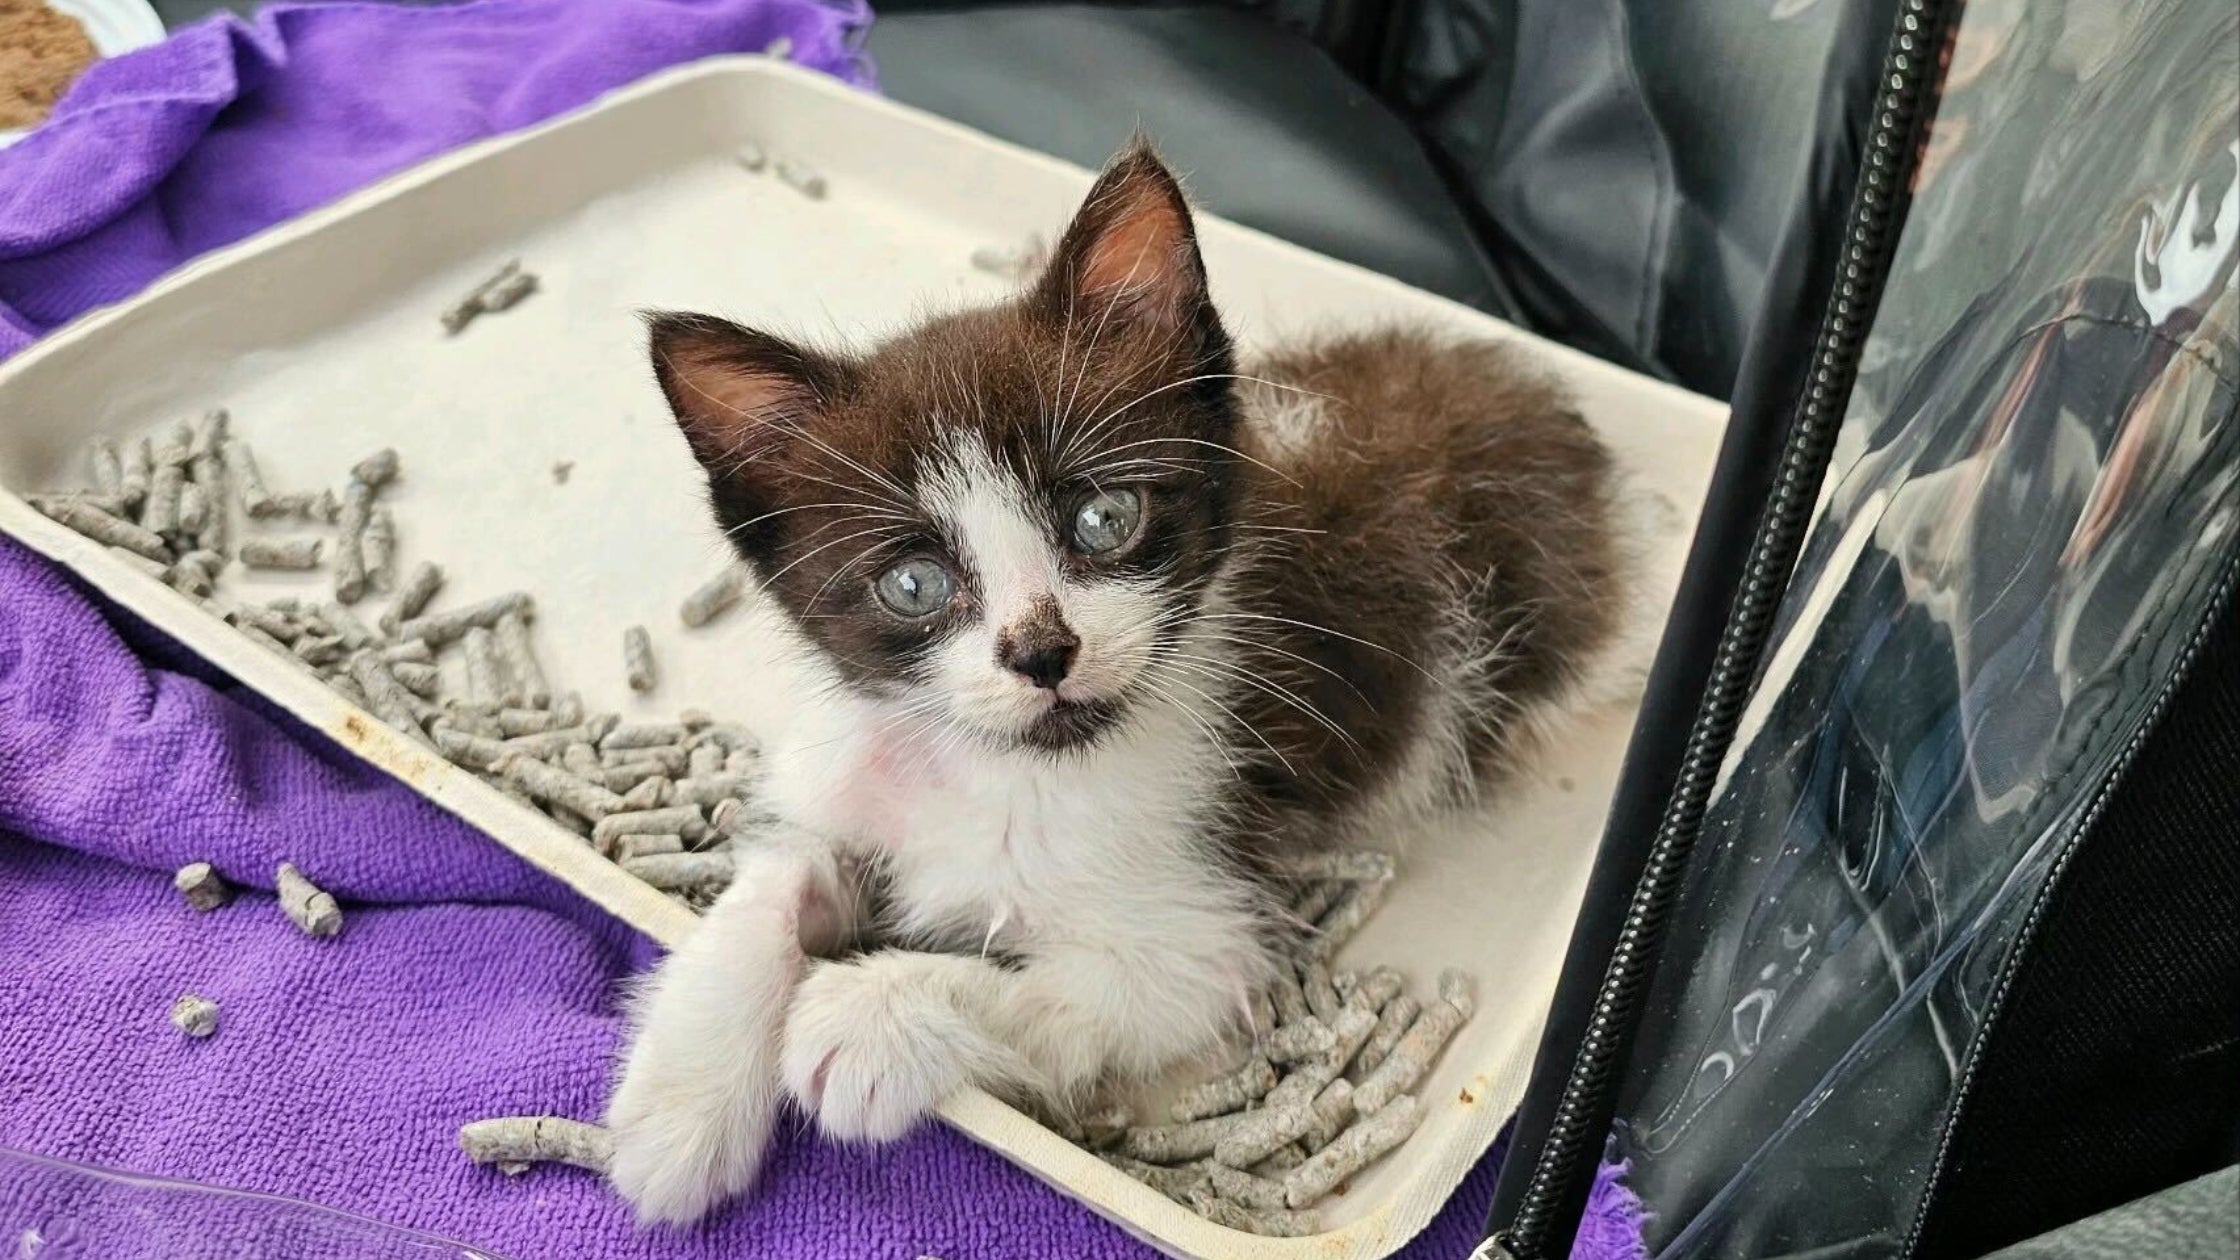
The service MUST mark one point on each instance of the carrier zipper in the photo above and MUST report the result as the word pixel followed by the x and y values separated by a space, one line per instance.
pixel 1576 1131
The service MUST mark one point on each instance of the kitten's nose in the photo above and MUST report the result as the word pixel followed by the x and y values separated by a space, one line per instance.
pixel 1043 664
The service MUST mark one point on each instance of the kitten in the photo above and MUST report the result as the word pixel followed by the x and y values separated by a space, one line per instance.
pixel 1105 627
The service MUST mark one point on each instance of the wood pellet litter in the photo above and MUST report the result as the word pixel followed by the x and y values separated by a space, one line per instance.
pixel 515 1142
pixel 305 903
pixel 509 286
pixel 198 882
pixel 1321 1092
pixel 194 1015
pixel 658 784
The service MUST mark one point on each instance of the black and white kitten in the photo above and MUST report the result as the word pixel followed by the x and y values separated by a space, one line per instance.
pixel 1103 628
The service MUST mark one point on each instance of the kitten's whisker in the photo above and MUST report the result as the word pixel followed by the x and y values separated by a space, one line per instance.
pixel 1308 661
pixel 1219 668
pixel 1248 727
pixel 772 580
pixel 1335 634
pixel 1213 735
pixel 1161 441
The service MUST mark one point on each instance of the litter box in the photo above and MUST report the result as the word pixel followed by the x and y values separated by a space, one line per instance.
pixel 322 338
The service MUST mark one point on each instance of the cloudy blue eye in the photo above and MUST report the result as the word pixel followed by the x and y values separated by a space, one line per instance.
pixel 916 588
pixel 1106 521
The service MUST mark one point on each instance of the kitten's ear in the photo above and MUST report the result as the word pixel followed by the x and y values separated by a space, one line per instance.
pixel 735 391
pixel 1131 251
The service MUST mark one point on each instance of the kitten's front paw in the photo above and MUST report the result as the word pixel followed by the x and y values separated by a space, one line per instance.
pixel 868 1050
pixel 683 1142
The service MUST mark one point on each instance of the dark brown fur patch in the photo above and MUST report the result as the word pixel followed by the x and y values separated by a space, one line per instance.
pixel 1449 499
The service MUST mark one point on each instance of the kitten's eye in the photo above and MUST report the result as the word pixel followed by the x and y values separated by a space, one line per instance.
pixel 1106 521
pixel 916 588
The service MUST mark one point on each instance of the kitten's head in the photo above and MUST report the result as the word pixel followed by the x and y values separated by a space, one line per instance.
pixel 1001 517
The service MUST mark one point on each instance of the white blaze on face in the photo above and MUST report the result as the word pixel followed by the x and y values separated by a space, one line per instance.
pixel 1002 530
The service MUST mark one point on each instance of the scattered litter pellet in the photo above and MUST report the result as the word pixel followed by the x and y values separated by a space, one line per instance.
pixel 1301 1038
pixel 557 786
pixel 378 469
pixel 153 568
pixel 1321 995
pixel 643 735
pixel 104 528
pixel 1352 1150
pixel 637 659
pixel 1345 917
pixel 380 550
pixel 650 792
pixel 780 48
pixel 508 292
pixel 507 287
pixel 485 677
pixel 1290 1003
pixel 682 872
pixel 420 679
pixel 1016 262
pixel 1226 1093
pixel 413 594
pixel 1261 1132
pixel 1333 1110
pixel 1391 1026
pixel 139 467
pixel 389 699
pixel 801 178
pixel 1175 1183
pixel 311 909
pixel 1412 1055
pixel 199 883
pixel 350 542
pixel 441 628
pixel 194 1015
pixel 683 820
pixel 537 1140
pixel 525 682
pixel 1270 1223
pixel 1249 1189
pixel 107 467
pixel 159 512
pixel 282 553
pixel 1281 1162
pixel 194 509
pixel 628 847
pixel 412 651
pixel 751 157
pixel 1175 1143
pixel 714 596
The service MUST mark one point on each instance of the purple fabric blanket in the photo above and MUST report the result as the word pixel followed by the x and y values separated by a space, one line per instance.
pixel 466 984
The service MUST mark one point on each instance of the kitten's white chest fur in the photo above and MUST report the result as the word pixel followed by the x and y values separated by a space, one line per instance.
pixel 978 848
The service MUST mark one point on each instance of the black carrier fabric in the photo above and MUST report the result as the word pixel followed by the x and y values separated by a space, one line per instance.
pixel 1954 954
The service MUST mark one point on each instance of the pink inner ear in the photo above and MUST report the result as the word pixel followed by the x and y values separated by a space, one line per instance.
pixel 1140 253
pixel 725 405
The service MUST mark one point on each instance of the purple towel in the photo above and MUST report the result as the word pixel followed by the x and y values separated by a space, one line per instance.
pixel 466 984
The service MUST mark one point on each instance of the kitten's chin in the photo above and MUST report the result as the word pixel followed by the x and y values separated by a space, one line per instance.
pixel 1070 725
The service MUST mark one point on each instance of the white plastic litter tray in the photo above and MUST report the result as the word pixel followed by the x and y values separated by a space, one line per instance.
pixel 321 338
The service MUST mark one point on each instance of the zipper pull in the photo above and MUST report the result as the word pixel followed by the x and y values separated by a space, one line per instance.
pixel 1495 1248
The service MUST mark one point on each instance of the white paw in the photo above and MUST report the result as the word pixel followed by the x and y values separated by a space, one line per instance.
pixel 869 1049
pixel 687 1137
